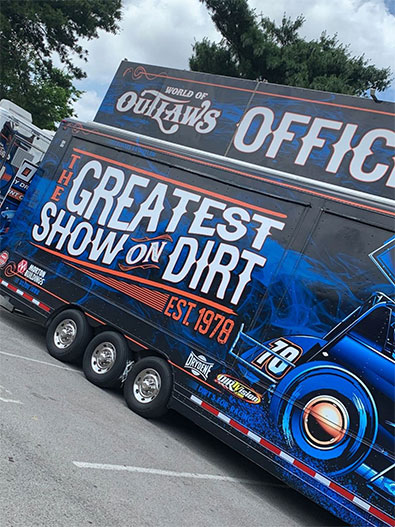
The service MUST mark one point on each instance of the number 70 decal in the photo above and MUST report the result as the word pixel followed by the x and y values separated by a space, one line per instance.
pixel 273 365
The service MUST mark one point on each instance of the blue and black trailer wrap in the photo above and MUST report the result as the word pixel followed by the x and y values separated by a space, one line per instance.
pixel 257 258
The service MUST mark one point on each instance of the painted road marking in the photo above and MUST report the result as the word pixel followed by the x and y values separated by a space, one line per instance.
pixel 6 399
pixel 40 362
pixel 10 401
pixel 159 472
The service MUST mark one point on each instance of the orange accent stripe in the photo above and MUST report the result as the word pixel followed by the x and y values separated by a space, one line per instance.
pixel 42 288
pixel 181 184
pixel 242 173
pixel 135 341
pixel 276 95
pixel 137 279
pixel 94 318
pixel 194 376
pixel 126 336
pixel 142 294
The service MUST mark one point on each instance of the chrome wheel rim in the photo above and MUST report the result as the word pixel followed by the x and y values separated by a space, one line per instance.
pixel 146 386
pixel 65 333
pixel 103 358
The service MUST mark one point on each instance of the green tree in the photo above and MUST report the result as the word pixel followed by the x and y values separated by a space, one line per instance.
pixel 32 32
pixel 254 47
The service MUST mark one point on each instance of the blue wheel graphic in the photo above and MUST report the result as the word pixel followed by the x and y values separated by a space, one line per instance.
pixel 327 417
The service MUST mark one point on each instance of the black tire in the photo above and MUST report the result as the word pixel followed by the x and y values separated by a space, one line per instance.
pixel 151 401
pixel 68 335
pixel 105 359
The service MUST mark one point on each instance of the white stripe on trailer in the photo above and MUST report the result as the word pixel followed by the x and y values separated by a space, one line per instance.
pixel 196 400
pixel 287 457
pixel 253 436
pixel 224 418
pixel 361 503
pixel 322 479
pixel 25 295
pixel 296 463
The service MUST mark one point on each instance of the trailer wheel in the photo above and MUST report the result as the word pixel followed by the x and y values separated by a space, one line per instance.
pixel 68 335
pixel 105 359
pixel 148 387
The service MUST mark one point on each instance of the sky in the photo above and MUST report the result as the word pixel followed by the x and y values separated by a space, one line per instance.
pixel 162 32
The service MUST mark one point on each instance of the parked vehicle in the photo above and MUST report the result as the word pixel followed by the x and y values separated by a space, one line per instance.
pixel 256 298
pixel 22 147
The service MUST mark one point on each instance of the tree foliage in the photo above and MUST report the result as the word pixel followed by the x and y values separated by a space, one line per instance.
pixel 32 33
pixel 254 47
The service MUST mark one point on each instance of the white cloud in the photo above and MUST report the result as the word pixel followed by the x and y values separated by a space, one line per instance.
pixel 152 31
pixel 162 32
pixel 366 25
pixel 87 106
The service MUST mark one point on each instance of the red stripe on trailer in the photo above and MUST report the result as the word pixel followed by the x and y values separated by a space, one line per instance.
pixel 42 288
pixel 382 516
pixel 301 466
pixel 238 427
pixel 304 468
pixel 28 297
pixel 44 307
pixel 340 490
pixel 209 408
pixel 270 446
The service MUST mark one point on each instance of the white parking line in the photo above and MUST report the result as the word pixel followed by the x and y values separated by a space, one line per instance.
pixel 158 472
pixel 6 400
pixel 10 401
pixel 39 361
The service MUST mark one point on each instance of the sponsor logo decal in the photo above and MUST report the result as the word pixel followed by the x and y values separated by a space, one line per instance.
pixel 26 172
pixel 238 389
pixel 173 108
pixel 35 274
pixel 198 365
pixel 10 269
pixel 4 258
pixel 22 266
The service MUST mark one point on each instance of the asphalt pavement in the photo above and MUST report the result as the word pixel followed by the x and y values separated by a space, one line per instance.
pixel 72 454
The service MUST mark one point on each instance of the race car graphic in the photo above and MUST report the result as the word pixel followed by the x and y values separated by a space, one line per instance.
pixel 331 399
pixel 384 259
